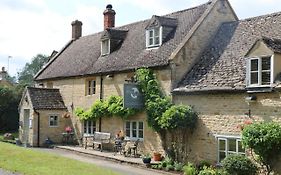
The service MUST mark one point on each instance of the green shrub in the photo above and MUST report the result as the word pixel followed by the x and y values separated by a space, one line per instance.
pixel 178 166
pixel 265 140
pixel 212 171
pixel 239 165
pixel 189 169
pixel 169 167
pixel 203 163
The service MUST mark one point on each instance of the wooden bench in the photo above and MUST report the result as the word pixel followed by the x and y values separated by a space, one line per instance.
pixel 99 138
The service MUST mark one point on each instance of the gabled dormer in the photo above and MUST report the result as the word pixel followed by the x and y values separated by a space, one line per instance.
pixel 111 40
pixel 263 63
pixel 159 30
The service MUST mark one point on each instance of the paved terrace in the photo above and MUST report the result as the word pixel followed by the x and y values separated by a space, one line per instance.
pixel 115 158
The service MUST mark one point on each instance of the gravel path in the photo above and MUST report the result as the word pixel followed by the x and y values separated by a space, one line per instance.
pixel 3 172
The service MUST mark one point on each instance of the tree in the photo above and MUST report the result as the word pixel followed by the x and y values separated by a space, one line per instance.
pixel 9 100
pixel 265 140
pixel 25 77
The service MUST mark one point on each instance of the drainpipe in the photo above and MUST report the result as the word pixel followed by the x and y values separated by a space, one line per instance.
pixel 101 98
pixel 38 128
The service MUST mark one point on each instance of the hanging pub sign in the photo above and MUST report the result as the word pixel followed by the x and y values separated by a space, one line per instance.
pixel 133 97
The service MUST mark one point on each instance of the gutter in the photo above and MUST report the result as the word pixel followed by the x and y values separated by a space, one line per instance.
pixel 38 128
pixel 101 98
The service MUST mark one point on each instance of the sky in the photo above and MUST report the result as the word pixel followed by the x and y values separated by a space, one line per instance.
pixel 31 27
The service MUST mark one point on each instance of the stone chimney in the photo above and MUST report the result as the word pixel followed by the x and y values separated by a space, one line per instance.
pixel 109 17
pixel 76 29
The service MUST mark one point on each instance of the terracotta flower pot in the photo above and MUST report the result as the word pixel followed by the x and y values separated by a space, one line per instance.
pixel 157 156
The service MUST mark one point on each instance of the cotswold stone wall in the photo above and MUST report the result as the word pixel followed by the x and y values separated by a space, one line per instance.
pixel 221 114
pixel 74 95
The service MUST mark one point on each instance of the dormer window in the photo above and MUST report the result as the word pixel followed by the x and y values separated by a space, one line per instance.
pixel 105 47
pixel 154 37
pixel 260 69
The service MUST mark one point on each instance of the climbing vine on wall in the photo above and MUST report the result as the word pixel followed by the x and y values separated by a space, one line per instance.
pixel 113 106
pixel 161 113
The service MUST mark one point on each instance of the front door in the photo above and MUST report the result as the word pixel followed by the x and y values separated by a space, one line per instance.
pixel 26 116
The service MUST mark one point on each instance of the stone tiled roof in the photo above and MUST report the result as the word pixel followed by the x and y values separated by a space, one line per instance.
pixel 43 98
pixel 222 65
pixel 273 44
pixel 82 56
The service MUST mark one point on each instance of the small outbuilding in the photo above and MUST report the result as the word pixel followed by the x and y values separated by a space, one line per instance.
pixel 43 115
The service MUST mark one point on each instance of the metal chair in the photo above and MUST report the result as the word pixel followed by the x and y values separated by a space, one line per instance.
pixel 134 148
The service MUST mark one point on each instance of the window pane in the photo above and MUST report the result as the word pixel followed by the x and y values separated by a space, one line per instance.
pixel 156 40
pixel 254 78
pixel 141 125
pixel 89 87
pixel 265 78
pixel 89 127
pixel 93 87
pixel 105 48
pixel 240 148
pixel 134 133
pixel 128 129
pixel 221 156
pixel 85 127
pixel 140 133
pixel 222 145
pixel 134 125
pixel 156 32
pixel 266 63
pixel 151 33
pixel 254 65
pixel 232 145
pixel 151 41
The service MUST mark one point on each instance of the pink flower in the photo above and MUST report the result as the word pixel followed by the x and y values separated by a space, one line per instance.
pixel 68 129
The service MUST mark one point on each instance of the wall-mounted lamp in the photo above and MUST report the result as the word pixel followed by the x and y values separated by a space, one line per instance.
pixel 251 98
pixel 109 76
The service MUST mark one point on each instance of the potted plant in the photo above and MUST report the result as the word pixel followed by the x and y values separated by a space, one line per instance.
pixel 146 159
pixel 157 156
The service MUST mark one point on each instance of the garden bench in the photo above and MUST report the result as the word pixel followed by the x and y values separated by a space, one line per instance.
pixel 99 138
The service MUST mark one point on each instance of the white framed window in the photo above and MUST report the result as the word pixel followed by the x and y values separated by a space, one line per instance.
pixel 89 127
pixel 154 37
pixel 229 145
pixel 105 47
pixel 260 71
pixel 90 87
pixel 134 130
pixel 53 120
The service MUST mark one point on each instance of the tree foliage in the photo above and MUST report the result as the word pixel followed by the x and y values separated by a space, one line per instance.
pixel 265 140
pixel 9 100
pixel 25 77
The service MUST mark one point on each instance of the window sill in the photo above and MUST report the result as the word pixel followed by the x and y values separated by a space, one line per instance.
pixel 259 89
pixel 152 47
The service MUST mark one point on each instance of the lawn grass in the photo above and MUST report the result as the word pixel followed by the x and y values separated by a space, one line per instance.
pixel 32 162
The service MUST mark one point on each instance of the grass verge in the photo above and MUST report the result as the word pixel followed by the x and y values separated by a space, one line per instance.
pixel 32 162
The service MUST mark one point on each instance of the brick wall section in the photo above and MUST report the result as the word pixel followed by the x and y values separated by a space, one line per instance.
pixel 220 114
pixel 184 59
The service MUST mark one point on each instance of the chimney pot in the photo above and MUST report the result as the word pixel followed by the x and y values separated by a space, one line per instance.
pixel 76 29
pixel 109 17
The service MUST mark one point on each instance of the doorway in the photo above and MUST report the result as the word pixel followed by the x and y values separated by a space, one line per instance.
pixel 26 115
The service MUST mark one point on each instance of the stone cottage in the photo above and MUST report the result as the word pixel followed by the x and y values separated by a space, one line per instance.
pixel 97 66
pixel 42 116
pixel 236 78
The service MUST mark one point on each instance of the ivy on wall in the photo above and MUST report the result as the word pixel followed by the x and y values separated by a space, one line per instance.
pixel 161 113
pixel 113 106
